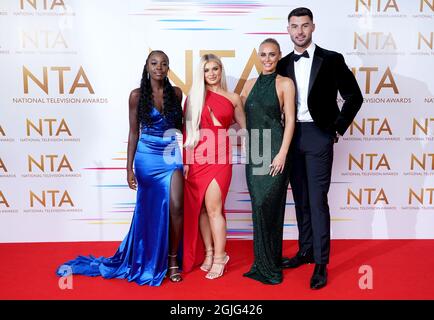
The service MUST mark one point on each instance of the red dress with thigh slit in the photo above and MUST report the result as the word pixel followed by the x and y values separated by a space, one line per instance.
pixel 210 160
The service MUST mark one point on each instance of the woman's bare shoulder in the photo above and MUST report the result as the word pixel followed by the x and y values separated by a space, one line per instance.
pixel 178 93
pixel 284 81
pixel 249 85
pixel 234 97
pixel 134 96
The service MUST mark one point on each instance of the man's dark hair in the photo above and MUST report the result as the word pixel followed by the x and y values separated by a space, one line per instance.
pixel 299 12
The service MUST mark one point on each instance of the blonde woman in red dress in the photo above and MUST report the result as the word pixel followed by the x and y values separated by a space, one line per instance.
pixel 210 110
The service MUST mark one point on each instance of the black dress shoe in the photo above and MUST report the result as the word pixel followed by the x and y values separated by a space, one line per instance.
pixel 298 260
pixel 319 277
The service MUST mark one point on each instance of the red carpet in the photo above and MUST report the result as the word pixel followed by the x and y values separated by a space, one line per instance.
pixel 402 269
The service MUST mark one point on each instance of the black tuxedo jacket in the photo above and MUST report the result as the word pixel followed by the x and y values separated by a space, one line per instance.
pixel 329 74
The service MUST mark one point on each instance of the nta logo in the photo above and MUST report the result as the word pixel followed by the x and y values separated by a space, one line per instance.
pixel 47 126
pixel 59 74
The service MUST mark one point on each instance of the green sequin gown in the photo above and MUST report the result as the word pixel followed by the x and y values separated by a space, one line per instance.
pixel 267 193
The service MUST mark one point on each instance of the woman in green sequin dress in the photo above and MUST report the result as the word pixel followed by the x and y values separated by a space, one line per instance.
pixel 270 112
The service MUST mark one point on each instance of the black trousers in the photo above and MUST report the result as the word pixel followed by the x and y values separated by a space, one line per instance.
pixel 311 167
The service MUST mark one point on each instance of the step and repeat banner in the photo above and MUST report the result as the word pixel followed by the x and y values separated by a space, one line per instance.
pixel 67 68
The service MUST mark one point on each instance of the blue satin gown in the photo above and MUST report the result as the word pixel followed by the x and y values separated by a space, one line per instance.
pixel 143 254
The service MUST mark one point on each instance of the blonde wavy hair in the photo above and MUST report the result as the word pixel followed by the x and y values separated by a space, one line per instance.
pixel 196 99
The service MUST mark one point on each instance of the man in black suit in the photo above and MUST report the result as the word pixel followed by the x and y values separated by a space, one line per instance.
pixel 319 75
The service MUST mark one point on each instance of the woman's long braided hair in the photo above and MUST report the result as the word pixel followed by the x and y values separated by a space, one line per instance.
pixel 172 109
